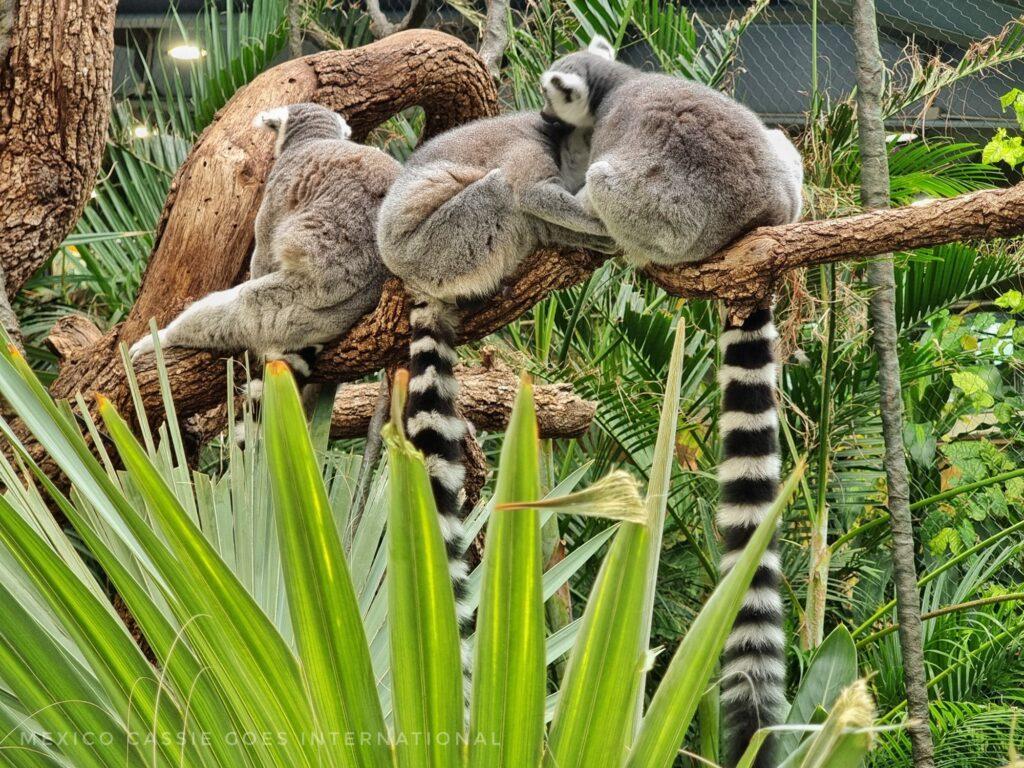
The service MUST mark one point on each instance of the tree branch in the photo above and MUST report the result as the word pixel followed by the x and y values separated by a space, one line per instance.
pixel 495 36
pixel 381 26
pixel 747 272
pixel 486 396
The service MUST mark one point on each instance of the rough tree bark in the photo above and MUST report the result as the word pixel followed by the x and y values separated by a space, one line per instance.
pixel 486 396
pixel 216 194
pixel 875 194
pixel 54 107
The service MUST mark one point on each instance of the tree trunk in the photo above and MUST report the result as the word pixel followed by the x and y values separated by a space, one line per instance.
pixel 54 106
pixel 875 194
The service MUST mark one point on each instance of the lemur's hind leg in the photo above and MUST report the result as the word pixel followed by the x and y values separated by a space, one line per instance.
pixel 278 312
pixel 553 203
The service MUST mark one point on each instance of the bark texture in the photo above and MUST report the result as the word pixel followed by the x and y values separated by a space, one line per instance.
pixel 744 274
pixel 54 107
pixel 875 194
pixel 486 397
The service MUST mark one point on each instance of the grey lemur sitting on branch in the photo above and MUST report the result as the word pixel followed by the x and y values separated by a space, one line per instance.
pixel 468 208
pixel 677 172
pixel 315 268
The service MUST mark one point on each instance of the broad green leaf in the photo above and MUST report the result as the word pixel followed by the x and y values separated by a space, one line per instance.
pixel 228 624
pixel 507 717
pixel 426 665
pixel 686 678
pixel 597 705
pixel 60 693
pixel 333 654
pixel 126 678
pixel 832 668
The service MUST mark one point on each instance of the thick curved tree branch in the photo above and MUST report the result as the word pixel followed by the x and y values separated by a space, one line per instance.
pixel 205 235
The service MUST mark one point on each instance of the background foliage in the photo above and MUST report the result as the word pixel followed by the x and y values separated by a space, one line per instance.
pixel 961 321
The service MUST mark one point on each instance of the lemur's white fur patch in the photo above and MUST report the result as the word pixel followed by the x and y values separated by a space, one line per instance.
pixel 275 120
pixel 346 129
pixel 568 96
pixel 600 46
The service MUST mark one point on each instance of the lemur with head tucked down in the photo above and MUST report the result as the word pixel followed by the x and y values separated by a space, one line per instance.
pixel 677 172
pixel 315 268
pixel 469 206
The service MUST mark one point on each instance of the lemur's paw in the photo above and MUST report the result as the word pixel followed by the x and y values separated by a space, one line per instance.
pixel 603 245
pixel 141 347
pixel 145 345
pixel 253 390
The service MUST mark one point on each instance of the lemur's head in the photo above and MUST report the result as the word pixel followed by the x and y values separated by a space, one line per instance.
pixel 301 122
pixel 575 85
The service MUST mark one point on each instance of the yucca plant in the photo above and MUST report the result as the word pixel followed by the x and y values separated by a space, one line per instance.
pixel 228 687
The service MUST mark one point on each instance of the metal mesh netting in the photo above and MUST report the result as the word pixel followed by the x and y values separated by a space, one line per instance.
pixel 779 51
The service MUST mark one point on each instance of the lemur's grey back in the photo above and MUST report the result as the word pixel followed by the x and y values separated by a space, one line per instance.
pixel 698 160
pixel 678 170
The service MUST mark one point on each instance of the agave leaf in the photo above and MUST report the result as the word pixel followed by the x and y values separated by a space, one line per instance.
pixel 426 666
pixel 605 671
pixel 333 654
pixel 686 678
pixel 507 715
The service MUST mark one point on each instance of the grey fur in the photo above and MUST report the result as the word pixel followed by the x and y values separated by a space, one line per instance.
pixel 315 268
pixel 471 204
pixel 8 9
pixel 677 170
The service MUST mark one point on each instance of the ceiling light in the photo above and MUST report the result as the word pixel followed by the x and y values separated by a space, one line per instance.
pixel 186 52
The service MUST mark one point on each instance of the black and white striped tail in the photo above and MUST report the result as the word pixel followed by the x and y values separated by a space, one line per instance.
pixel 753 667
pixel 435 428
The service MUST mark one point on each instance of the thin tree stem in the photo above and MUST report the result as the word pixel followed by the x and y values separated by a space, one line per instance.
pixel 817 588
pixel 875 194
pixel 295 28
pixel 945 611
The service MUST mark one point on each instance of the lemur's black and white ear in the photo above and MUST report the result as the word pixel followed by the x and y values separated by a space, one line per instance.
pixel 271 119
pixel 600 46
pixel 346 129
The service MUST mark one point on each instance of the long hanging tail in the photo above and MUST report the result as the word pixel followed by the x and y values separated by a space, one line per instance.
pixel 435 428
pixel 753 667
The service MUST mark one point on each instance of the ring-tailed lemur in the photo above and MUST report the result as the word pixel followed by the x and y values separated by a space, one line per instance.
pixel 678 171
pixel 469 206
pixel 315 268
